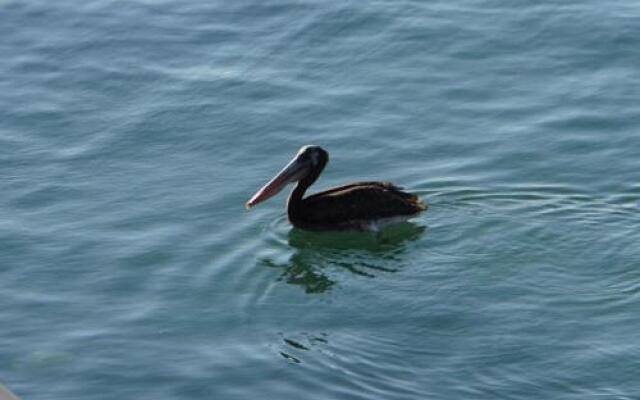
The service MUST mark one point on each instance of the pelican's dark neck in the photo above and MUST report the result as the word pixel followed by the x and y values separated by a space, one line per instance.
pixel 294 206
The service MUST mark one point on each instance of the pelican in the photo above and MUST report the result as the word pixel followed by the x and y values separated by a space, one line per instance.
pixel 358 206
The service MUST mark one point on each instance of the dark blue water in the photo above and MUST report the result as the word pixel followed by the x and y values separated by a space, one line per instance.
pixel 132 133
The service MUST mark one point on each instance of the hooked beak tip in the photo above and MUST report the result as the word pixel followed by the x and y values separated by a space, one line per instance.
pixel 248 205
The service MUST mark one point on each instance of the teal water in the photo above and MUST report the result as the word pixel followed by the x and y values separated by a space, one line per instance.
pixel 132 133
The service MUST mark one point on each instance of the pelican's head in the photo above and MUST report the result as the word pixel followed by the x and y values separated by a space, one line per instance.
pixel 309 159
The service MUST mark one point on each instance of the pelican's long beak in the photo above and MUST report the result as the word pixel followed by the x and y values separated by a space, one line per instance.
pixel 292 172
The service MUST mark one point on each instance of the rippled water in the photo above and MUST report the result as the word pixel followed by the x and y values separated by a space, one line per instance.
pixel 133 132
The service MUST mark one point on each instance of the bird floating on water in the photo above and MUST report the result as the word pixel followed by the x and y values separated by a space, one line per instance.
pixel 358 206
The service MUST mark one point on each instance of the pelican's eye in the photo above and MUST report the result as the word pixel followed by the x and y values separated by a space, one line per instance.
pixel 314 158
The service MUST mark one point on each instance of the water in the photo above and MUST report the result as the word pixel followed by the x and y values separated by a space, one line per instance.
pixel 133 132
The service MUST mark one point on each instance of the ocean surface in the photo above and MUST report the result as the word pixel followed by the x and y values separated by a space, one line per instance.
pixel 133 132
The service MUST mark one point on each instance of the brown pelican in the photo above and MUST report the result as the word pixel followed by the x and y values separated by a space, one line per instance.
pixel 358 206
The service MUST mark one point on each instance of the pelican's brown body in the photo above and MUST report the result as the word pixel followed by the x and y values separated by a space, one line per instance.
pixel 358 206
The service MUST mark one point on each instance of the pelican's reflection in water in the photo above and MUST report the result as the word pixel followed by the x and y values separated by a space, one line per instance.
pixel 317 254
